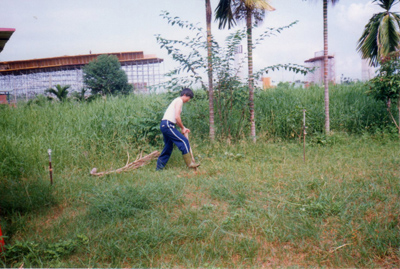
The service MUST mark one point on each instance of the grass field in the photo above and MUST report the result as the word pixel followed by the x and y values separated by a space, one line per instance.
pixel 248 205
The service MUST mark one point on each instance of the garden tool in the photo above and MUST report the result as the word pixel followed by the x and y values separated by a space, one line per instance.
pixel 188 157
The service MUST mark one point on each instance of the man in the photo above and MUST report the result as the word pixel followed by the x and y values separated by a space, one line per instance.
pixel 172 117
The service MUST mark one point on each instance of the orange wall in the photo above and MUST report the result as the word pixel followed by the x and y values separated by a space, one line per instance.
pixel 3 99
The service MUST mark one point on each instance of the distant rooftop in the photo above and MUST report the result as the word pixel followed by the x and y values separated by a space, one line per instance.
pixel 5 34
pixel 55 63
pixel 318 58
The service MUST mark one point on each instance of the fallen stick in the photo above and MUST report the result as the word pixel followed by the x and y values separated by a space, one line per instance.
pixel 139 162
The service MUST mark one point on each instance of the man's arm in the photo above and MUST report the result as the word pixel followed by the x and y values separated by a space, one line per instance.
pixel 178 110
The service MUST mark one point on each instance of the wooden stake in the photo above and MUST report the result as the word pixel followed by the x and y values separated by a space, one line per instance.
pixel 50 168
pixel 304 135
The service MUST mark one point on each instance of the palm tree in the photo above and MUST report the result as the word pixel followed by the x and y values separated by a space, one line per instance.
pixel 80 96
pixel 210 69
pixel 381 34
pixel 326 82
pixel 230 11
pixel 61 92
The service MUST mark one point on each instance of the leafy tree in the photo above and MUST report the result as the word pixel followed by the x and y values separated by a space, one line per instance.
pixel 105 76
pixel 191 54
pixel 386 85
pixel 381 34
pixel 227 12
pixel 188 53
pixel 61 92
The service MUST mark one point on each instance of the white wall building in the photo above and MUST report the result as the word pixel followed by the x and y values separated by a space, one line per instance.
pixel 317 77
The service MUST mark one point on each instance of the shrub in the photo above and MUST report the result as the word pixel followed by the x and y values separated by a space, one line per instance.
pixel 105 76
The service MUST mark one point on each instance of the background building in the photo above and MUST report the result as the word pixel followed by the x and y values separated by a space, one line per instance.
pixel 28 78
pixel 317 77
pixel 5 35
pixel 239 62
pixel 367 71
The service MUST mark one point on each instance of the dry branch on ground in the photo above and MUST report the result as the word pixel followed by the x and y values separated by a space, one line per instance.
pixel 139 162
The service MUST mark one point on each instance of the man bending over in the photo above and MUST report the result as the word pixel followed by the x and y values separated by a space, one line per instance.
pixel 172 117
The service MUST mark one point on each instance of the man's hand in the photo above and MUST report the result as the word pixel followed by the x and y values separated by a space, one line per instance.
pixel 185 130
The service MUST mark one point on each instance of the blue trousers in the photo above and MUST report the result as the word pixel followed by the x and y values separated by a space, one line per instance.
pixel 171 136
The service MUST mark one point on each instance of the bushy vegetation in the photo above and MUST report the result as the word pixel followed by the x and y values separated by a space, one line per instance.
pixel 104 75
pixel 385 86
pixel 248 204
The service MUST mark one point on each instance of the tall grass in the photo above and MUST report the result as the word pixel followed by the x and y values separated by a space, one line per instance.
pixel 249 205
pixel 77 133
pixel 279 110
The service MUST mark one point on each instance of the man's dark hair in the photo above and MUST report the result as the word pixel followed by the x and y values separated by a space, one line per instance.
pixel 188 92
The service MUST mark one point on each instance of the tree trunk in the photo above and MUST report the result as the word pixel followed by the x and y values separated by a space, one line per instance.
pixel 210 70
pixel 326 82
pixel 251 78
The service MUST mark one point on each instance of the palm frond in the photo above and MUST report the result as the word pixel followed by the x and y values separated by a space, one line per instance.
pixel 381 34
pixel 224 14
pixel 228 12
pixel 258 4
pixel 61 92
pixel 386 4
pixel 388 36
pixel 368 44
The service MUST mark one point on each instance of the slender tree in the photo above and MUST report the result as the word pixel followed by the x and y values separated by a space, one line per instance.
pixel 381 34
pixel 230 11
pixel 326 82
pixel 210 70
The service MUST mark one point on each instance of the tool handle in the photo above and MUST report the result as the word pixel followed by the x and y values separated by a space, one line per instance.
pixel 191 152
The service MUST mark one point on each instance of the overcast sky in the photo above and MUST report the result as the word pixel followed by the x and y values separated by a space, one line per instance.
pixel 49 28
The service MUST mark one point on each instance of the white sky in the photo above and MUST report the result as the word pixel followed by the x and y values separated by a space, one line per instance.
pixel 49 28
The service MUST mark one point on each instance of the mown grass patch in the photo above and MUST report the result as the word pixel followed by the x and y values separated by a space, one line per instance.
pixel 264 208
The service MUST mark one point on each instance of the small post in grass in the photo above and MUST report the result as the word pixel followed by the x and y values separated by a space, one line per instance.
pixel 50 168
pixel 304 135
